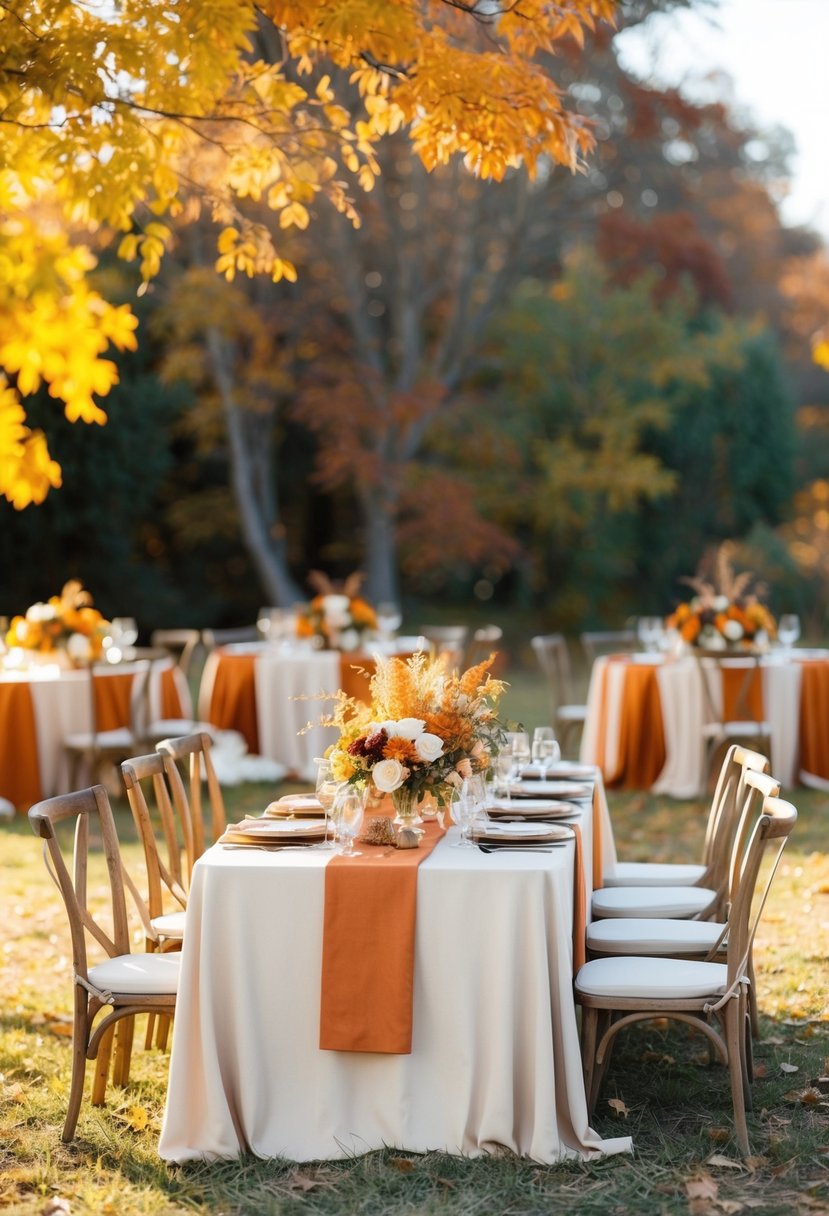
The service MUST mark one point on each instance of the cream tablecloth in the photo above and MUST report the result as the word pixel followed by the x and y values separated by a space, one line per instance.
pixel 495 1058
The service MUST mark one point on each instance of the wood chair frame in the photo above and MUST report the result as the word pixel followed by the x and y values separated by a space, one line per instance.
pixel 566 715
pixel 192 753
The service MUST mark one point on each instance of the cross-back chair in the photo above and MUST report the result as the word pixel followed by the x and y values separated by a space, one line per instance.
pixel 566 714
pixel 180 643
pixel 484 641
pixel 616 992
pixel 447 642
pixel 608 641
pixel 739 717
pixel 211 638
pixel 92 753
pixel 187 764
pixel 124 983
pixel 706 897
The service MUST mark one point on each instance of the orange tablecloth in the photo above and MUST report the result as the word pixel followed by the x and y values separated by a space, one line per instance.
pixel 814 718
pixel 641 751
pixel 368 948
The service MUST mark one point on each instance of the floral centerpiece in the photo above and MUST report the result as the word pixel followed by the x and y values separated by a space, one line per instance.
pixel 726 612
pixel 423 733
pixel 336 619
pixel 66 623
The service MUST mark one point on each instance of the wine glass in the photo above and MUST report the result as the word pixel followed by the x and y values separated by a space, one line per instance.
pixel 476 791
pixel 546 751
pixel 649 630
pixel 347 814
pixel 326 789
pixel 521 753
pixel 389 620
pixel 788 629
pixel 462 811
pixel 501 773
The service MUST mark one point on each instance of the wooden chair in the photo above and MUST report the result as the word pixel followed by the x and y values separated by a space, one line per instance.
pixel 744 723
pixel 181 644
pixel 94 752
pixel 484 641
pixel 187 763
pixel 608 641
pixel 616 992
pixel 126 983
pixel 695 902
pixel 447 642
pixel 566 714
pixel 211 638
pixel 711 870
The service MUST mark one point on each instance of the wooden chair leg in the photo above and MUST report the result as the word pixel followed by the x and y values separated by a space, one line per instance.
pixel 752 998
pixel 164 1022
pixel 734 1039
pixel 589 1018
pixel 123 1051
pixel 80 1038
pixel 99 1080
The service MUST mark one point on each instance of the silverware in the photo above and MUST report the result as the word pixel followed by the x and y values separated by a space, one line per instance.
pixel 522 848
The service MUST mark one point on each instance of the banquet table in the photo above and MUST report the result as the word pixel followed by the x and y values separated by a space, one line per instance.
pixel 494 1060
pixel 44 703
pixel 646 712
pixel 275 696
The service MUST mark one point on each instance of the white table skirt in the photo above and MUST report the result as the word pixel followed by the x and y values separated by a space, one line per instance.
pixel 495 1058
pixel 288 687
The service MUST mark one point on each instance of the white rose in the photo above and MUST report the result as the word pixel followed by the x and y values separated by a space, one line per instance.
pixel 733 630
pixel 349 639
pixel 77 646
pixel 410 728
pixel 41 612
pixel 389 775
pixel 389 727
pixel 720 603
pixel 712 639
pixel 428 747
pixel 335 609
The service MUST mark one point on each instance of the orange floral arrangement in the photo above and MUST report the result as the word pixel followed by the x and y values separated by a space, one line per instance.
pixel 724 612
pixel 64 622
pixel 424 730
pixel 336 619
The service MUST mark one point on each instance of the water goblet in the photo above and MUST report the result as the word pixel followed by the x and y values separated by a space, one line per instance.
pixel 502 772
pixel 541 735
pixel 326 791
pixel 389 620
pixel 462 810
pixel 124 634
pixel 788 629
pixel 521 753
pixel 348 818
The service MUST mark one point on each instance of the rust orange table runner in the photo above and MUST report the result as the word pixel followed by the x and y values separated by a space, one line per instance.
pixel 641 748
pixel 368 947
pixel 233 697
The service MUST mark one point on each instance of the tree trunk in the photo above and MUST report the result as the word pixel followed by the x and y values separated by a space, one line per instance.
pixel 262 531
pixel 379 510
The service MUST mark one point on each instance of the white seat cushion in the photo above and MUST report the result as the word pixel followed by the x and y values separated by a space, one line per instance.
pixel 138 974
pixel 173 728
pixel 652 874
pixel 646 935
pixel 171 924
pixel 651 978
pixel 122 737
pixel 737 730
pixel 652 901
pixel 572 713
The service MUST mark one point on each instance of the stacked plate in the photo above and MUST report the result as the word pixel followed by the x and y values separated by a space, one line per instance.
pixel 531 808
pixel 520 835
pixel 296 806
pixel 566 769
pixel 274 832
pixel 551 789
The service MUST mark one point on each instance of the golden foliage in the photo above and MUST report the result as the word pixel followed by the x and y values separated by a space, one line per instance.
pixel 113 114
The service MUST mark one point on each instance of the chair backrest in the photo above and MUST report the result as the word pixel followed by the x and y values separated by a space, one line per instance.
pixel 211 638
pixel 553 656
pixel 187 762
pixel 745 702
pixel 143 775
pixel 768 835
pixel 180 643
pixel 139 702
pixel 89 814
pixel 484 641
pixel 607 641
pixel 446 641
pixel 727 807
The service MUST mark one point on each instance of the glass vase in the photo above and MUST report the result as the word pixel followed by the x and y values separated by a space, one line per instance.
pixel 406 803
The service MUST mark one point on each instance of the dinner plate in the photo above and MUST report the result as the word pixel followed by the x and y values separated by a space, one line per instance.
pixel 308 806
pixel 550 789
pixel 563 769
pixel 274 831
pixel 520 833
pixel 542 808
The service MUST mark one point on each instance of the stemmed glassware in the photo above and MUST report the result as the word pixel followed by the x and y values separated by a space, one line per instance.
pixel 649 630
pixel 347 815
pixel 546 751
pixel 501 773
pixel 327 789
pixel 788 629
pixel 521 753
pixel 463 811
pixel 389 620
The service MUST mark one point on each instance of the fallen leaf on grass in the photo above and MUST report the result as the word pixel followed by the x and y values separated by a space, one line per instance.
pixel 298 1180
pixel 64 1029
pixel 784 1067
pixel 135 1117
pixel 760 1070
pixel 403 1165
pixel 56 1207
pixel 807 1097
pixel 619 1106
pixel 719 1134
pixel 718 1159
pixel 15 1092
pixel 702 1188
pixel 730 1206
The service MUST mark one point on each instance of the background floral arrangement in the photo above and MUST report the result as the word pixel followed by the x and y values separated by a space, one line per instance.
pixel 65 622
pixel 337 619
pixel 725 611
pixel 424 731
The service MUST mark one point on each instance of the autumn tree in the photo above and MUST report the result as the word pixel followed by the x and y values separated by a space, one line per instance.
pixel 116 119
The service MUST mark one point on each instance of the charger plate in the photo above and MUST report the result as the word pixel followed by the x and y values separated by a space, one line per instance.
pixel 551 789
pixel 274 831
pixel 527 808
pixel 292 806
pixel 513 834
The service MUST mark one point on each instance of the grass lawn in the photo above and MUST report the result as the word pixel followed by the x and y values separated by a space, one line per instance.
pixel 663 1092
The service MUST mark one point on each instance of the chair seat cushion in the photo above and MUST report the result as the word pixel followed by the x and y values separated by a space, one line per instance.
pixel 119 739
pixel 138 974
pixel 652 901
pixel 651 978
pixel 647 935
pixel 172 728
pixel 652 874
pixel 171 924
pixel 572 713
pixel 736 730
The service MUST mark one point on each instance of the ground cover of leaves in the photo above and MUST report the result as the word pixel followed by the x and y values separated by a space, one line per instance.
pixel 661 1090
